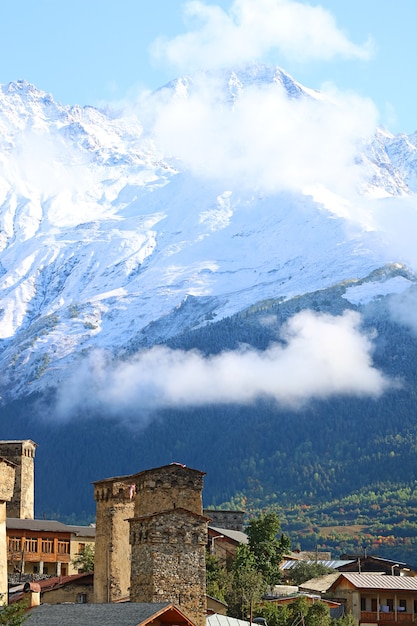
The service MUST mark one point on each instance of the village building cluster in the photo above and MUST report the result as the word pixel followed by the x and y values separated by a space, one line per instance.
pixel 150 539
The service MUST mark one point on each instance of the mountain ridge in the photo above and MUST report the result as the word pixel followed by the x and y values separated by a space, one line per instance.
pixel 116 242
pixel 138 293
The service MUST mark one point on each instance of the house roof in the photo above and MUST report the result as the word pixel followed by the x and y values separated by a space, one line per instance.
pixel 124 614
pixel 36 525
pixel 223 620
pixel 370 557
pixel 235 535
pixel 378 581
pixel 320 584
pixel 335 564
pixel 56 582
pixel 39 525
pixel 148 471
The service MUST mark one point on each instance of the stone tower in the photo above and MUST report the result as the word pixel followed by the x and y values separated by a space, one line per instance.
pixel 22 454
pixel 114 505
pixel 7 478
pixel 168 536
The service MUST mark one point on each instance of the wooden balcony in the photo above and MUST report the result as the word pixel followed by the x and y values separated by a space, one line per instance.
pixel 390 617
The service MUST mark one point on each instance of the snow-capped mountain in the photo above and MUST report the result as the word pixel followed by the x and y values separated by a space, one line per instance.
pixel 103 232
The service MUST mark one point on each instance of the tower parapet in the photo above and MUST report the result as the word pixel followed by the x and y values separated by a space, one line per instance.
pixel 22 454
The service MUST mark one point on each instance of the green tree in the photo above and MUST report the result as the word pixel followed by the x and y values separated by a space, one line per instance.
pixel 13 614
pixel 218 579
pixel 303 571
pixel 84 561
pixel 266 547
pixel 318 615
pixel 248 586
pixel 274 614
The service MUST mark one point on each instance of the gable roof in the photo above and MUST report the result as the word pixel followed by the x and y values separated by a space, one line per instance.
pixel 124 614
pixel 56 582
pixel 224 620
pixel 320 584
pixel 332 564
pixel 235 535
pixel 130 477
pixel 378 581
pixel 47 525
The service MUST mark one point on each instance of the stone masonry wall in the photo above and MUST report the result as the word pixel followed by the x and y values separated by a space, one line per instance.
pixel 114 505
pixel 22 454
pixel 168 561
pixel 169 487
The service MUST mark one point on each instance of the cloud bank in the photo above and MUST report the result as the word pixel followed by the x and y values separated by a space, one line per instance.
pixel 252 29
pixel 266 139
pixel 319 356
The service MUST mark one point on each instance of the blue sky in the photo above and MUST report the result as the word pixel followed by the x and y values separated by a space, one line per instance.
pixel 95 51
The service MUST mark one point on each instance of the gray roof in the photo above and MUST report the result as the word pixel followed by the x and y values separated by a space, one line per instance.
pixel 123 614
pixel 223 620
pixel 335 564
pixel 47 525
pixel 236 535
pixel 381 581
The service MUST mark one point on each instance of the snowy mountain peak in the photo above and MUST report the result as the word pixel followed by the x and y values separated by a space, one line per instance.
pixel 108 242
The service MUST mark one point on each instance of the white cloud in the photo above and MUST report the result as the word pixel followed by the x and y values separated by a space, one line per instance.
pixel 320 356
pixel 266 139
pixel 253 28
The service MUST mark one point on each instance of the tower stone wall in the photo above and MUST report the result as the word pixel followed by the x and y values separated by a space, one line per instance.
pixel 114 505
pixel 168 537
pixel 168 487
pixel 168 561
pixel 22 454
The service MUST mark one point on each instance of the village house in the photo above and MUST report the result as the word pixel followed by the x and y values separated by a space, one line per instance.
pixel 377 599
pixel 45 546
pixel 223 542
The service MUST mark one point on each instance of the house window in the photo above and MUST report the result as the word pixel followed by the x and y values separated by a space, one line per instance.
pixel 402 605
pixel 31 544
pixel 363 603
pixel 374 605
pixel 47 545
pixel 390 604
pixel 81 547
pixel 63 547
pixel 81 598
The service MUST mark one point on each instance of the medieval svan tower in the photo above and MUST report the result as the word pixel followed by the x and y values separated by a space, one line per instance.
pixel 151 538
pixel 114 506
pixel 22 454
pixel 168 536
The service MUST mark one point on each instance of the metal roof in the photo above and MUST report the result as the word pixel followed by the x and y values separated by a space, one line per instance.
pixel 223 620
pixel 45 525
pixel 331 564
pixel 380 581
pixel 236 535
